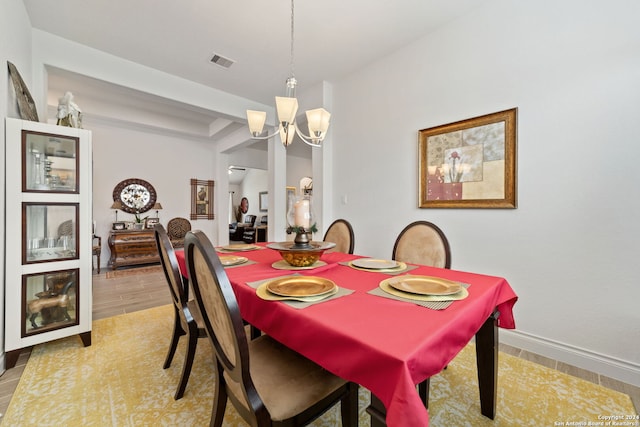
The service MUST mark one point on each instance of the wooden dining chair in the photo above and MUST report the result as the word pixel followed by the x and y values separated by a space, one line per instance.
pixel 340 232
pixel 187 318
pixel 423 242
pixel 267 383
pixel 176 230
pixel 96 250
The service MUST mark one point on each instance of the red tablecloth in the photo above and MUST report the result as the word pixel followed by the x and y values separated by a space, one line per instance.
pixel 384 345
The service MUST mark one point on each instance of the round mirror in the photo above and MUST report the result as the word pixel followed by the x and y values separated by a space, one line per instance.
pixel 136 195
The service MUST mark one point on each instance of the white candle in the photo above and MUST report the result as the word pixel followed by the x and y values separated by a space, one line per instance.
pixel 302 214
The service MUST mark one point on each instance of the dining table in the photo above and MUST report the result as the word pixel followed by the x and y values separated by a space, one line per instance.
pixel 365 335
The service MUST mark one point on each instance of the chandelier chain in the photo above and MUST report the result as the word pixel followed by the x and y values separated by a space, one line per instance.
pixel 291 53
pixel 286 109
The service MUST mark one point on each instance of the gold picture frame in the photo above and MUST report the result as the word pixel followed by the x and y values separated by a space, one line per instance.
pixel 202 199
pixel 470 163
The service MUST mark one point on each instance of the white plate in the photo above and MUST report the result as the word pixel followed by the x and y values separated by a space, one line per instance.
pixel 374 264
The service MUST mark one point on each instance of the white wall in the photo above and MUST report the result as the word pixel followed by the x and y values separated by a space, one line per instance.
pixel 255 162
pixel 254 182
pixel 166 162
pixel 15 46
pixel 570 249
pixel 298 168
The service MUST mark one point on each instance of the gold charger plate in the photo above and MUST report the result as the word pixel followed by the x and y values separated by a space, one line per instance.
pixel 374 264
pixel 425 285
pixel 263 293
pixel 239 247
pixel 228 260
pixel 284 265
pixel 300 286
pixel 386 287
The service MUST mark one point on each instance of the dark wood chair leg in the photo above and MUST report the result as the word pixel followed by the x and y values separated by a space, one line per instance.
pixel 377 412
pixel 219 401
pixel 487 362
pixel 255 332
pixel 177 333
pixel 188 363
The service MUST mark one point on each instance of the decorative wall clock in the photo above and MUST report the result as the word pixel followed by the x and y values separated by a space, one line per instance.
pixel 136 195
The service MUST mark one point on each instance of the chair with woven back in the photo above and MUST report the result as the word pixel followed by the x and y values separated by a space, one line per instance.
pixel 423 242
pixel 267 383
pixel 177 228
pixel 340 232
pixel 187 319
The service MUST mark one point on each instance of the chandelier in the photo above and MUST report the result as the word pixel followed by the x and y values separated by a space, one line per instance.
pixel 287 107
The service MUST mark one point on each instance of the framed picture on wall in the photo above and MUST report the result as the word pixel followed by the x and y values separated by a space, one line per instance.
pixel 264 201
pixel 470 163
pixel 201 199
pixel 151 222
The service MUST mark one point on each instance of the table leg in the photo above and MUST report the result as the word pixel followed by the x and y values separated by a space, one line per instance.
pixel 487 362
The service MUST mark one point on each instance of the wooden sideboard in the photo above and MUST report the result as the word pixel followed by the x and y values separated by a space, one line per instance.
pixel 132 247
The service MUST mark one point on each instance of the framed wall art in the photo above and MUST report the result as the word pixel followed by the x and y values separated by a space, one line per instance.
pixel 264 201
pixel 201 199
pixel 470 163
pixel 26 104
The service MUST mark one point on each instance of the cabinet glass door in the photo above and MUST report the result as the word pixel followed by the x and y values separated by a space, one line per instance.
pixel 50 301
pixel 49 231
pixel 49 162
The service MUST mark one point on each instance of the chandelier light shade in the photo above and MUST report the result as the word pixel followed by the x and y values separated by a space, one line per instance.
pixel 318 122
pixel 256 121
pixel 287 108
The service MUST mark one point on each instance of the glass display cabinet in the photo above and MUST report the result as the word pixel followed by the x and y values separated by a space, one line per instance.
pixel 48 231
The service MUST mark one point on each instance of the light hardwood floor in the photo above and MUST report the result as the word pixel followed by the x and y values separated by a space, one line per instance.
pixel 131 293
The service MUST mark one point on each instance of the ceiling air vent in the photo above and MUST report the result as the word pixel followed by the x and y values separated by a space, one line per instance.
pixel 222 61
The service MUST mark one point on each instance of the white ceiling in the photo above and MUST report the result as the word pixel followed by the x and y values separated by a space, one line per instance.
pixel 332 38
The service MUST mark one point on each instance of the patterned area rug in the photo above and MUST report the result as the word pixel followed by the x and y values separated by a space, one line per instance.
pixel 113 274
pixel 119 381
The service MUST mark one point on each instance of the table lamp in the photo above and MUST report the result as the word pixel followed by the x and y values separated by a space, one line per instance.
pixel 116 205
pixel 157 207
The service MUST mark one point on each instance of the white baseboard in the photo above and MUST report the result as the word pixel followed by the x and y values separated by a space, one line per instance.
pixel 601 364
